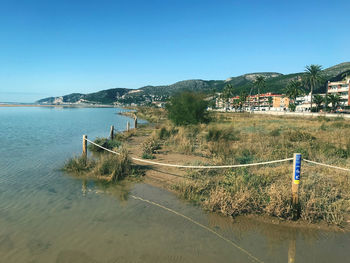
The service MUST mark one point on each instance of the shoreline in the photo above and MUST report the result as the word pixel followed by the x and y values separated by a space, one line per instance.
pixel 59 106
pixel 167 177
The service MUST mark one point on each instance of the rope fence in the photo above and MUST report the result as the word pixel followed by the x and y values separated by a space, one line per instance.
pixel 295 176
pixel 217 166
pixel 327 165
pixel 193 166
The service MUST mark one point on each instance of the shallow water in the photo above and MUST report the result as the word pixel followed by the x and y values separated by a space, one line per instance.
pixel 47 216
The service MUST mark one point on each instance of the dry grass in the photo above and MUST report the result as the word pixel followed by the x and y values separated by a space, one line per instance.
pixel 244 138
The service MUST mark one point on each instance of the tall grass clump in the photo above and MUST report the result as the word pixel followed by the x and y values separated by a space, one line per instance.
pixel 78 165
pixel 113 167
pixel 149 148
pixel 104 142
pixel 216 133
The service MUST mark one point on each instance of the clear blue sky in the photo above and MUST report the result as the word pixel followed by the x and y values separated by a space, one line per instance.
pixel 51 48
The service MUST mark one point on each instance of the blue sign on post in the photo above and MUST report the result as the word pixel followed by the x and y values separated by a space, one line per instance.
pixel 297 167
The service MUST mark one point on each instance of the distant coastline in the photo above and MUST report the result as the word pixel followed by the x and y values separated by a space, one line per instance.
pixel 57 105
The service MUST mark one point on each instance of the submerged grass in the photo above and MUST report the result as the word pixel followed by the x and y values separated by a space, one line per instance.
pixel 107 167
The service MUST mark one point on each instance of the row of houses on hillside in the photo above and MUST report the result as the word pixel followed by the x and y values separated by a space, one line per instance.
pixel 279 102
pixel 267 101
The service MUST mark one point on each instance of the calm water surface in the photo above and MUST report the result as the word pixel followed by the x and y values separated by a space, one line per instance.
pixel 47 216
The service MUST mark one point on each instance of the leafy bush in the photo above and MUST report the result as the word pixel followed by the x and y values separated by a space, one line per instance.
pixel 187 108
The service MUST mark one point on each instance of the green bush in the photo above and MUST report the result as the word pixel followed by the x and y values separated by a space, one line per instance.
pixel 187 108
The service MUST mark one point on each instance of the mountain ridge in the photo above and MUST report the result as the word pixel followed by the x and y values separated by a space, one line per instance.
pixel 275 82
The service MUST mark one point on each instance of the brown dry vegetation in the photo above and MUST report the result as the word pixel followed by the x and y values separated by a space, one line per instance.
pixel 244 138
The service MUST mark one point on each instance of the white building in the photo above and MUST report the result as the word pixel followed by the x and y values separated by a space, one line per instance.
pixel 340 88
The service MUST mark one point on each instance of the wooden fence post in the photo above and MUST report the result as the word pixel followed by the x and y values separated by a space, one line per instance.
pixel 111 133
pixel 84 146
pixel 135 122
pixel 127 126
pixel 295 185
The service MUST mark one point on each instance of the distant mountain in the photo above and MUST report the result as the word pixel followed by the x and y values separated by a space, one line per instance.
pixel 102 97
pixel 275 82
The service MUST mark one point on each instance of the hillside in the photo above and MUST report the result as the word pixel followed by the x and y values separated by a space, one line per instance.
pixel 102 97
pixel 275 82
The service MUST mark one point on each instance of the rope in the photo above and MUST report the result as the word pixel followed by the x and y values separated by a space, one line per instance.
pixel 327 165
pixel 194 166
pixel 200 225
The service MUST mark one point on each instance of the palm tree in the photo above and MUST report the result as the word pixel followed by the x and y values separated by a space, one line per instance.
pixel 260 84
pixel 270 100
pixel 318 99
pixel 226 94
pixel 334 100
pixel 242 98
pixel 312 78
pixel 294 89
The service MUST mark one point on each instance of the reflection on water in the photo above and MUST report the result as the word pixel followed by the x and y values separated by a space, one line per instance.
pixel 46 216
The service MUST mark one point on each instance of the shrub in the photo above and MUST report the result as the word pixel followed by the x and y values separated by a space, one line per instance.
pixel 245 157
pixel 299 136
pixel 187 108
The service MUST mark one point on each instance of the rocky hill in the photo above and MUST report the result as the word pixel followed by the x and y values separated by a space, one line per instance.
pixel 275 82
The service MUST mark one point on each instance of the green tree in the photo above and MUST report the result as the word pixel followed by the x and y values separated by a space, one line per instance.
pixel 260 84
pixel 312 78
pixel 187 108
pixel 318 99
pixel 293 90
pixel 334 100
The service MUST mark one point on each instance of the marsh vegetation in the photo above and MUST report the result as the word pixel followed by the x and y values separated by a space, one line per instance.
pixel 244 138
